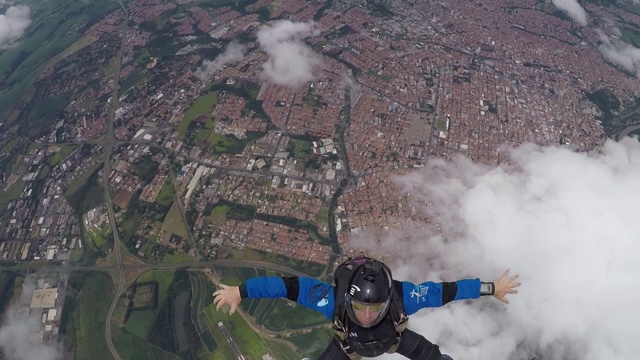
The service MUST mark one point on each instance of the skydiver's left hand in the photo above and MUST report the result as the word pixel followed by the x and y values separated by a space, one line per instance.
pixel 505 285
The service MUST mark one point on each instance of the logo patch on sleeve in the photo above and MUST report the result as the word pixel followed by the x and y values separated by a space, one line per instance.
pixel 319 294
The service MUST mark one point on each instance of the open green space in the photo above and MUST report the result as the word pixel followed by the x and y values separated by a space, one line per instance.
pixel 166 195
pixel 13 192
pixel 56 26
pixel 314 342
pixel 284 315
pixel 90 313
pixel 84 193
pixel 132 80
pixel 173 223
pixel 226 144
pixel 140 321
pixel 219 214
pixel 322 217
pixel 100 237
pixel 64 151
pixel 282 351
pixel 130 346
pixel 202 106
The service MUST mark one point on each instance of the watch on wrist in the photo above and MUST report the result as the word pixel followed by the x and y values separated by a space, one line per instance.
pixel 487 288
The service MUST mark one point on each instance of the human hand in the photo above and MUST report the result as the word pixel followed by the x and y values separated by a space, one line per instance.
pixel 227 295
pixel 505 285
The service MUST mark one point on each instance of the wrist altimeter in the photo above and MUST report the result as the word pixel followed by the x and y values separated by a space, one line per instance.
pixel 487 288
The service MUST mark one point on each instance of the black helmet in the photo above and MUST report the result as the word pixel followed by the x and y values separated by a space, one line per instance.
pixel 369 293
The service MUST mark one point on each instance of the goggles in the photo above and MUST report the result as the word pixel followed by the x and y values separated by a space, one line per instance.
pixel 358 306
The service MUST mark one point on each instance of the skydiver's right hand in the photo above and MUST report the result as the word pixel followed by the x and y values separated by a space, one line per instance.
pixel 227 295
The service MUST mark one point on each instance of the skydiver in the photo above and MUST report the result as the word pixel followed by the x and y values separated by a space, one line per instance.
pixel 368 308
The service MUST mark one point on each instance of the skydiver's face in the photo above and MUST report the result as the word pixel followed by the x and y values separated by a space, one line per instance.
pixel 367 314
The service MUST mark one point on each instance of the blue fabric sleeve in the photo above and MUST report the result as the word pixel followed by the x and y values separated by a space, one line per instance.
pixel 317 295
pixel 266 287
pixel 313 294
pixel 429 294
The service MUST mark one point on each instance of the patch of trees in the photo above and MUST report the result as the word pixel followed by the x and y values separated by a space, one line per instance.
pixel 88 196
pixel 163 333
pixel 238 211
pixel 146 168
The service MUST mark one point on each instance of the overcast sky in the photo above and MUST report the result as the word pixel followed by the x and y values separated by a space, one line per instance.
pixel 14 21
pixel 565 221
pixel 291 62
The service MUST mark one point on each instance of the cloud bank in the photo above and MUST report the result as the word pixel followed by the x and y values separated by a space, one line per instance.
pixel 565 221
pixel 290 62
pixel 17 329
pixel 573 9
pixel 233 53
pixel 620 53
pixel 13 24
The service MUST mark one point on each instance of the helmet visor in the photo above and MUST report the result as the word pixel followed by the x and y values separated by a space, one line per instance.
pixel 365 314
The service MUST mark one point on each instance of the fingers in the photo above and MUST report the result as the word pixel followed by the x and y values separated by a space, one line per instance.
pixel 233 309
pixel 506 273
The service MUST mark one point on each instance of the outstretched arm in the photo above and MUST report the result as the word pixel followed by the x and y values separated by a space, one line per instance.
pixel 431 294
pixel 308 292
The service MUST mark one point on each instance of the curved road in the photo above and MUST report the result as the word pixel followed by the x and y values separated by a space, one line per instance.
pixel 108 143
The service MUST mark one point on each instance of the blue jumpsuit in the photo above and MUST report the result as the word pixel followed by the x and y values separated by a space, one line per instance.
pixel 376 340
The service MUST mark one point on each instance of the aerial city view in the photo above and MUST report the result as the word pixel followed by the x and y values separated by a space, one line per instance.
pixel 152 150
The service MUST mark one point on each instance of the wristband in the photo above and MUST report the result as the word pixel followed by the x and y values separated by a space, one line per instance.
pixel 487 288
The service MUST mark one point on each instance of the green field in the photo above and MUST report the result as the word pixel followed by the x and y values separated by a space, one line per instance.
pixel 226 144
pixel 322 218
pixel 13 192
pixel 314 342
pixel 166 194
pixel 219 214
pixel 173 223
pixel 140 321
pixel 90 314
pixel 64 151
pixel 100 237
pixel 202 106
pixel 56 26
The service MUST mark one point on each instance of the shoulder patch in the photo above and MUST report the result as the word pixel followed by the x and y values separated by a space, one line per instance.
pixel 319 294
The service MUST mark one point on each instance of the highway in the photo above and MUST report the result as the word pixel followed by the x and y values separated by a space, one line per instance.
pixel 107 145
pixel 165 266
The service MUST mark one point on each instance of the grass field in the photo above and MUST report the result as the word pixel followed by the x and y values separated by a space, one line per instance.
pixel 322 217
pixel 140 321
pixel 64 151
pixel 202 106
pixel 219 214
pixel 130 346
pixel 79 182
pixel 225 144
pixel 314 342
pixel 178 258
pixel 90 314
pixel 13 192
pixel 173 223
pixel 166 195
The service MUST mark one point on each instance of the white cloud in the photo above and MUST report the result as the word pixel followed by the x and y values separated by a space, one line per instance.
pixel 573 9
pixel 621 53
pixel 291 62
pixel 567 222
pixel 13 24
pixel 17 329
pixel 233 53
